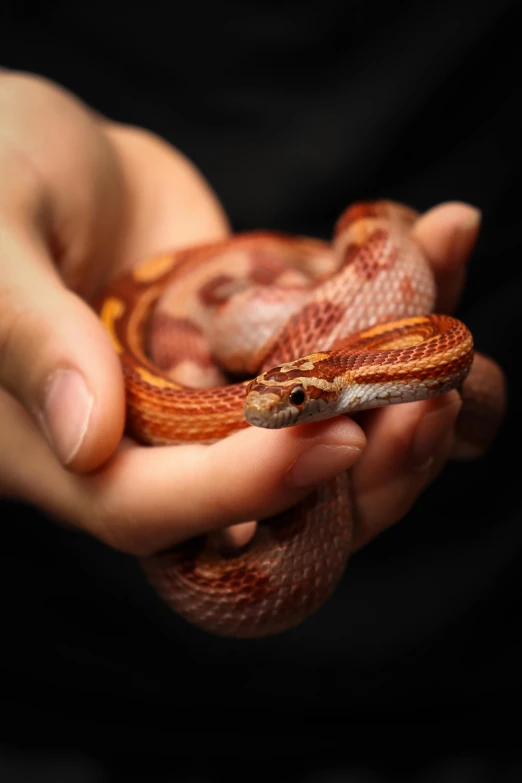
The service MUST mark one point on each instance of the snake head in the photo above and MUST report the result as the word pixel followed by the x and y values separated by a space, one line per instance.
pixel 291 394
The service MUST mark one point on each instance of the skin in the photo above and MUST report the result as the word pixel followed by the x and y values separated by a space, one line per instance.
pixel 81 200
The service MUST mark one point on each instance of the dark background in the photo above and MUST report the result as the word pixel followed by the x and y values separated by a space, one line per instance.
pixel 293 110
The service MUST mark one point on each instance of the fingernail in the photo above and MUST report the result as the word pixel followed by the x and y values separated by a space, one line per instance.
pixel 432 435
pixel 465 234
pixel 66 413
pixel 321 463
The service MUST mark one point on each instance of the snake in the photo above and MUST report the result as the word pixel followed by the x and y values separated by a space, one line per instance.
pixel 271 330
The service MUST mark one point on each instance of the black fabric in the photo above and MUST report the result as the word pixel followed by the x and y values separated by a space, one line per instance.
pixel 292 110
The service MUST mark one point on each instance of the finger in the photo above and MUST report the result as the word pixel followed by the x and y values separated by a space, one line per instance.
pixel 407 445
pixel 236 536
pixel 447 233
pixel 484 400
pixel 169 203
pixel 56 357
pixel 60 177
pixel 145 499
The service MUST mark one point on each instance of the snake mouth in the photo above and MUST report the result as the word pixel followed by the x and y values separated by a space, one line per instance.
pixel 267 410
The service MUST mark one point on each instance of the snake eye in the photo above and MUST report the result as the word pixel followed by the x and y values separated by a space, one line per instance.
pixel 297 396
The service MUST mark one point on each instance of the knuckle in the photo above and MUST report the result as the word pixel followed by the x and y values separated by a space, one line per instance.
pixel 12 81
pixel 11 332
pixel 22 340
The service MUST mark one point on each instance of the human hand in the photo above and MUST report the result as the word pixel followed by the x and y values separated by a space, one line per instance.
pixel 82 199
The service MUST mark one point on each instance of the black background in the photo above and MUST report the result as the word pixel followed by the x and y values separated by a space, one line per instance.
pixel 292 111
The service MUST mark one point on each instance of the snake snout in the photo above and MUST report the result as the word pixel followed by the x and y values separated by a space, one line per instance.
pixel 265 409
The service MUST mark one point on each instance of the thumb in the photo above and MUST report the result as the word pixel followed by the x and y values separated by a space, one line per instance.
pixel 56 358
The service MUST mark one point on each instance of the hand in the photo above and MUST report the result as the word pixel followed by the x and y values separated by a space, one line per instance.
pixel 82 199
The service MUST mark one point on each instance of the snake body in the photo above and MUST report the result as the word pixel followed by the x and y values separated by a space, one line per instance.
pixel 352 329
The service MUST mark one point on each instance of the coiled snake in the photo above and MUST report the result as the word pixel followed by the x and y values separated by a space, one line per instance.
pixel 325 329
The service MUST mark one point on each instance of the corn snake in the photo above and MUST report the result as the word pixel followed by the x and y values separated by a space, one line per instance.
pixel 350 327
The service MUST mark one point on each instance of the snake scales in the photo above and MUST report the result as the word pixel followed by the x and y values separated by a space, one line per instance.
pixel 322 329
